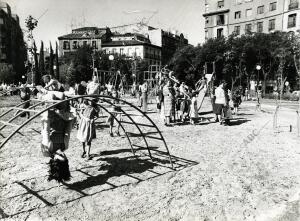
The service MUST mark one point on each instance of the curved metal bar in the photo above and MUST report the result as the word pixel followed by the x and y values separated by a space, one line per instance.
pixel 141 132
pixel 19 114
pixel 10 109
pixel 93 96
pixel 105 109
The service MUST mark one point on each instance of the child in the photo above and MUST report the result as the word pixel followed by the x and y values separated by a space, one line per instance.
pixel 116 113
pixel 87 131
pixel 193 109
pixel 25 96
pixel 56 129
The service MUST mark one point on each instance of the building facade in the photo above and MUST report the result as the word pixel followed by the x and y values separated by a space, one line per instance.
pixel 168 41
pixel 133 46
pixel 92 36
pixel 225 17
pixel 12 45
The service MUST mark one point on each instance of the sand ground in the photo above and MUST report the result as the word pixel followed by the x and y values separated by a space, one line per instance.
pixel 246 171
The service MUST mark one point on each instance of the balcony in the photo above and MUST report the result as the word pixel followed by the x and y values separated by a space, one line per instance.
pixel 294 5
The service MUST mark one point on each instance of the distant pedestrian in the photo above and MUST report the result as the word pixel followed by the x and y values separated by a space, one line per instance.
pixel 220 101
pixel 144 102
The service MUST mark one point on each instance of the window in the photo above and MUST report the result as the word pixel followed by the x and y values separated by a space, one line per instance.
pixel 84 43
pixel 114 51
pixel 121 51
pixel 206 34
pixel 292 20
pixel 293 4
pixel 207 20
pixel 260 9
pixel 220 20
pixel 237 15
pixel 248 28
pixel 75 45
pixel 1 21
pixel 206 7
pixel 94 45
pixel 249 12
pixel 239 2
pixel 66 45
pixel 271 24
pixel 220 4
pixel 237 30
pixel 260 26
pixel 273 6
pixel 219 32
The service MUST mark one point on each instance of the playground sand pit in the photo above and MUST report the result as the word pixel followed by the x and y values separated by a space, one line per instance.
pixel 245 171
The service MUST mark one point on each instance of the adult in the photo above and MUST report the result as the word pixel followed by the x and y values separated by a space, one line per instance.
pixel 51 84
pixel 144 98
pixel 169 109
pixel 93 87
pixel 220 101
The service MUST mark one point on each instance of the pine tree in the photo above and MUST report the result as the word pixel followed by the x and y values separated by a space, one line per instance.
pixel 56 62
pixel 51 61
pixel 36 66
pixel 42 60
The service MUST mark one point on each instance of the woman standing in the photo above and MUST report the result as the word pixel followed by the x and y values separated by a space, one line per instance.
pixel 220 101
pixel 169 109
pixel 144 90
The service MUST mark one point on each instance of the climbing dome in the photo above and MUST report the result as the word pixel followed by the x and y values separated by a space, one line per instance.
pixel 138 128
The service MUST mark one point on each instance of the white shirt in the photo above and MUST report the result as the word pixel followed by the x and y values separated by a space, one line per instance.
pixel 220 96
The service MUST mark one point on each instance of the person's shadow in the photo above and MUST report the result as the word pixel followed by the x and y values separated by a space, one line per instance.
pixel 115 167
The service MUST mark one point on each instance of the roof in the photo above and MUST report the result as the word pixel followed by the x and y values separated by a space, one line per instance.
pixel 82 36
pixel 127 43
pixel 216 12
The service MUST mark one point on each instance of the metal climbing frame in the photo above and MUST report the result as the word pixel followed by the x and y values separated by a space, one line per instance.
pixel 139 129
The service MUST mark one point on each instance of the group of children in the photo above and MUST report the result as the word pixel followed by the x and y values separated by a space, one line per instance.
pixel 58 122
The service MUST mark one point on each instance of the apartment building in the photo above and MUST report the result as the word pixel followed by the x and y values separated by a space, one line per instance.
pixel 169 41
pixel 133 45
pixel 83 36
pixel 224 17
pixel 12 46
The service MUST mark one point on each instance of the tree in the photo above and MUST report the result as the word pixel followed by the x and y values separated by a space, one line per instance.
pixel 56 62
pixel 51 62
pixel 42 60
pixel 36 76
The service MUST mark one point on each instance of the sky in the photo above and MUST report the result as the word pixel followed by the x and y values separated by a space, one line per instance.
pixel 58 17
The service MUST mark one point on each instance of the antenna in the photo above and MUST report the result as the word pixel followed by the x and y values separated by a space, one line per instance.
pixel 144 20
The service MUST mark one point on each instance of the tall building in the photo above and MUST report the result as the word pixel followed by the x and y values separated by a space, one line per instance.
pixel 12 45
pixel 224 17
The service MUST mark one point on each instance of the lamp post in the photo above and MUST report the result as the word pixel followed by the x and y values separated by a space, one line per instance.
pixel 258 67
pixel 111 58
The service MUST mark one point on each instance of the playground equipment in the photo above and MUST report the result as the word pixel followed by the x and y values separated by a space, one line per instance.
pixel 140 131
pixel 208 87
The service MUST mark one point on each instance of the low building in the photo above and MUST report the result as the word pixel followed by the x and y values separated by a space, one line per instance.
pixel 168 41
pixel 133 45
pixel 83 36
pixel 224 17
pixel 12 45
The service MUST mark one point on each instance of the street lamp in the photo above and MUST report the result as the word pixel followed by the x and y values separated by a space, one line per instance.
pixel 111 58
pixel 258 67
